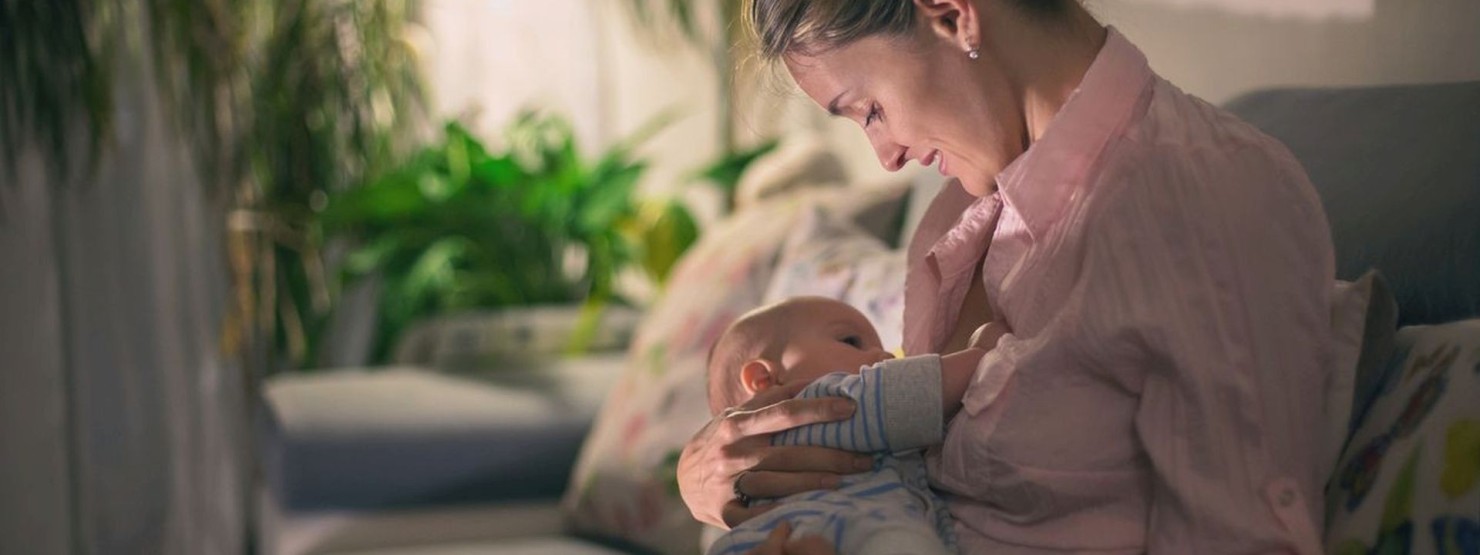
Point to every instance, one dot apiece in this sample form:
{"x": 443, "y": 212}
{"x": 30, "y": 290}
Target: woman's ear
{"x": 952, "y": 20}
{"x": 758, "y": 375}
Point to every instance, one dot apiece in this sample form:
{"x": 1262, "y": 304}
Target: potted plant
{"x": 462, "y": 227}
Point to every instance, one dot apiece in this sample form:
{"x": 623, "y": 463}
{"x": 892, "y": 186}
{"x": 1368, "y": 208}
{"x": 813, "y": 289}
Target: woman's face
{"x": 921, "y": 98}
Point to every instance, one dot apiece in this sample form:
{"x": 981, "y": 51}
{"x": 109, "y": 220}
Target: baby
{"x": 901, "y": 407}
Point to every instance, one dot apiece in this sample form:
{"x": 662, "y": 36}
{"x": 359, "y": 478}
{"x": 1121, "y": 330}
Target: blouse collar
{"x": 1047, "y": 177}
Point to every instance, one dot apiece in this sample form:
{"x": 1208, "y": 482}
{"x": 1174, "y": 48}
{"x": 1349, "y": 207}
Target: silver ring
{"x": 740, "y": 495}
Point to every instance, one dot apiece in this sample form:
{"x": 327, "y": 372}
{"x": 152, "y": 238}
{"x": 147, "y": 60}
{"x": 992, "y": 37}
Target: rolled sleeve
{"x": 1237, "y": 337}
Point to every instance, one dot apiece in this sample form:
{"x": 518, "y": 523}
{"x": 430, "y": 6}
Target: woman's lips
{"x": 932, "y": 158}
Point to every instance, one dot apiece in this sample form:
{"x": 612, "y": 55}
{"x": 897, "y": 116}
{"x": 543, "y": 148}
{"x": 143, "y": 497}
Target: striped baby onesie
{"x": 889, "y": 509}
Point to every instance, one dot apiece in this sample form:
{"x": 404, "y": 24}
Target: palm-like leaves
{"x": 280, "y": 100}
{"x": 460, "y": 227}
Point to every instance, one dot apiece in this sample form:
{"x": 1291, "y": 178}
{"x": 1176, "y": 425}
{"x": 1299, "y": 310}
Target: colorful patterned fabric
{"x": 1409, "y": 480}
{"x": 828, "y": 257}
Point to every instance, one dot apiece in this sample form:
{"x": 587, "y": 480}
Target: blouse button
{"x": 1287, "y": 497}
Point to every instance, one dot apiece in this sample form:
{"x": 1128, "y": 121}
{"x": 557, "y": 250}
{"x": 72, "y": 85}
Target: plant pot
{"x": 513, "y": 338}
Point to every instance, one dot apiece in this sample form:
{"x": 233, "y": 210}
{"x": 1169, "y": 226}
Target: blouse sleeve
{"x": 1224, "y": 263}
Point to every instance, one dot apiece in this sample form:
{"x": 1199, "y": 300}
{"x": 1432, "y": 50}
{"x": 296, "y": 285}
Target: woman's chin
{"x": 977, "y": 187}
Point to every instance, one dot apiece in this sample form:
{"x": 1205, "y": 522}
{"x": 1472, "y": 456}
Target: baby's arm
{"x": 901, "y": 403}
{"x": 898, "y": 407}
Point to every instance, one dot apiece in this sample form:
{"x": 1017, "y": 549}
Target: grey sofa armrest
{"x": 407, "y": 437}
{"x": 1398, "y": 171}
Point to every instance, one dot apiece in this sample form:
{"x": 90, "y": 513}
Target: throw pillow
{"x": 624, "y": 485}
{"x": 1363, "y": 320}
{"x": 1409, "y": 479}
{"x": 826, "y": 257}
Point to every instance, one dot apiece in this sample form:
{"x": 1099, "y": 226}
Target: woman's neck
{"x": 1046, "y": 60}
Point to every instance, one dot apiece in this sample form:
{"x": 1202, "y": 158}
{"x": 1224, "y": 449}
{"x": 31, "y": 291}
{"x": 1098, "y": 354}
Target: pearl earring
{"x": 973, "y": 54}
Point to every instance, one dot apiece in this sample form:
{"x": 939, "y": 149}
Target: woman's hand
{"x": 738, "y": 442}
{"x": 777, "y": 544}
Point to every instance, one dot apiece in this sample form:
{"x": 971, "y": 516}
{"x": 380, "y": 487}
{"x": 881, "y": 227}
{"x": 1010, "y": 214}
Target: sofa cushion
{"x": 1409, "y": 478}
{"x": 520, "y": 546}
{"x": 1398, "y": 171}
{"x": 406, "y": 437}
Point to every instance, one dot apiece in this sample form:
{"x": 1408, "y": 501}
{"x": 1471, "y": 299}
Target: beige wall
{"x": 1215, "y": 50}
{"x": 612, "y": 81}
{"x": 1218, "y": 49}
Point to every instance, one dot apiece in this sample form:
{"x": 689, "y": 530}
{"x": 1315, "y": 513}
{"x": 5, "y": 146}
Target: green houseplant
{"x": 713, "y": 29}
{"x": 461, "y": 226}
{"x": 280, "y": 102}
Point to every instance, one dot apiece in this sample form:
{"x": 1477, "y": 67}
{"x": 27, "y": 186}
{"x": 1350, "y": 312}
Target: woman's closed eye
{"x": 873, "y": 114}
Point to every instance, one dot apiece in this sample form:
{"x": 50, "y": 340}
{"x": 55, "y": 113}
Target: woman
{"x": 1164, "y": 269}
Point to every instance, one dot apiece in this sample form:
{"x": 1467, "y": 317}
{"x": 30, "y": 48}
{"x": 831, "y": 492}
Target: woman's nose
{"x": 891, "y": 155}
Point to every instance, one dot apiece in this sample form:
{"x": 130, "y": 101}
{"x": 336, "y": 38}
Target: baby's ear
{"x": 757, "y": 375}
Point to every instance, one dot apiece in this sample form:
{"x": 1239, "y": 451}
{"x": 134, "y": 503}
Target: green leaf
{"x": 726, "y": 171}
{"x": 367, "y": 260}
{"x": 1399, "y": 504}
{"x": 666, "y": 239}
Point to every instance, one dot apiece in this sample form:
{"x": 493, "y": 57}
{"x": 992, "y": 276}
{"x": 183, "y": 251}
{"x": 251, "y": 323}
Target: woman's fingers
{"x": 736, "y": 512}
{"x": 772, "y": 395}
{"x": 775, "y": 541}
{"x": 789, "y": 414}
{"x": 810, "y": 545}
{"x": 739, "y": 440}
{"x": 813, "y": 459}
{"x": 765, "y": 485}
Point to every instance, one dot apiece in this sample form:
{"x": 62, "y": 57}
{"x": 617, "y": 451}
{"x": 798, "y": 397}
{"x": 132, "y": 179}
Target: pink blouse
{"x": 1165, "y": 269}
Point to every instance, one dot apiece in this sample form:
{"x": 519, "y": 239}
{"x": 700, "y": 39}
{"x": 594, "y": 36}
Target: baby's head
{"x": 798, "y": 339}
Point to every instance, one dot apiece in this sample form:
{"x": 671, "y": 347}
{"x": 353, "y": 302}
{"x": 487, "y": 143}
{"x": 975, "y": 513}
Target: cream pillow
{"x": 1364, "y": 318}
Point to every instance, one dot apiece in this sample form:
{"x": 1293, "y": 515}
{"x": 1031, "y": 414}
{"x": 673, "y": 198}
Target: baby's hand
{"x": 985, "y": 337}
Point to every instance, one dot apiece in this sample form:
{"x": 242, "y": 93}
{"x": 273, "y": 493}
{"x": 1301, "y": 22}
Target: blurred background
{"x": 201, "y": 196}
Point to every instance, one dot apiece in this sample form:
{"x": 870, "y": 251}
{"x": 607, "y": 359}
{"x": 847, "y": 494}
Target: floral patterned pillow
{"x": 827, "y": 257}
{"x": 624, "y": 486}
{"x": 1409, "y": 479}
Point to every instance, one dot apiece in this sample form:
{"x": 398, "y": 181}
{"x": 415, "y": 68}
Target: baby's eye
{"x": 853, "y": 340}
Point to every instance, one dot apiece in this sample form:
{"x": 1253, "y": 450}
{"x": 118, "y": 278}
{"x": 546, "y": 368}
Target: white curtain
{"x": 122, "y": 425}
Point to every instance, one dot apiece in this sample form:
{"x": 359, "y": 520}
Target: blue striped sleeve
{"x": 899, "y": 408}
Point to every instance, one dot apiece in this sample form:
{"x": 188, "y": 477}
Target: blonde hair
{"x": 806, "y": 27}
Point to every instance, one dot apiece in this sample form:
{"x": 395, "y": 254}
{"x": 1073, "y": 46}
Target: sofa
{"x": 578, "y": 455}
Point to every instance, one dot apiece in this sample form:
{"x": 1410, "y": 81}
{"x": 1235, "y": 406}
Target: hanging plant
{"x": 281, "y": 102}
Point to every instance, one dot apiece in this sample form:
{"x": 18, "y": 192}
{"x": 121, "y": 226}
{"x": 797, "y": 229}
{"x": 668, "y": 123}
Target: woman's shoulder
{"x": 1188, "y": 155}
{"x": 1188, "y": 169}
{"x": 1176, "y": 120}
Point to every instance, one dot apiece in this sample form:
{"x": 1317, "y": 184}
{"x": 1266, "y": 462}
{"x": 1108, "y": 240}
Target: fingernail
{"x": 829, "y": 482}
